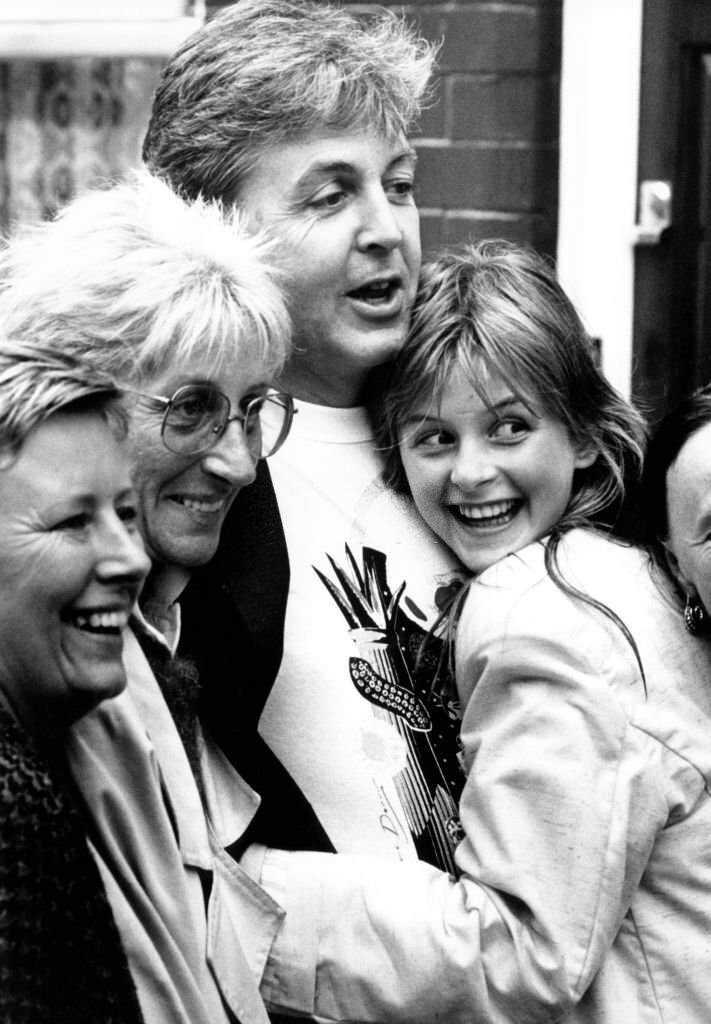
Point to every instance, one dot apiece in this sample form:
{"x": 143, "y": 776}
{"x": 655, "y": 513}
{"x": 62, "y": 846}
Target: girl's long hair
{"x": 496, "y": 308}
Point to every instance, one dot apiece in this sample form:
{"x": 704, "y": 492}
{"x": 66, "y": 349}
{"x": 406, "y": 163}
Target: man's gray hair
{"x": 263, "y": 72}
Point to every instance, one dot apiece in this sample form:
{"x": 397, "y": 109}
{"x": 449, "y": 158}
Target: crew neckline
{"x": 327, "y": 423}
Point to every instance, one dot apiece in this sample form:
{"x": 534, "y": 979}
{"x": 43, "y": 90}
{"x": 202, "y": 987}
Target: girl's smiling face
{"x": 488, "y": 477}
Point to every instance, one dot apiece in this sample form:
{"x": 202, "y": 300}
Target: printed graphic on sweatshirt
{"x": 410, "y": 690}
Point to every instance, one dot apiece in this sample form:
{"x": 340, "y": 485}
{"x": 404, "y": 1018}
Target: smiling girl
{"x": 583, "y": 885}
{"x": 586, "y": 708}
{"x": 495, "y": 418}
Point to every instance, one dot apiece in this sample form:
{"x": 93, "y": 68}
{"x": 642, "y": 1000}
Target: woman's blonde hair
{"x": 37, "y": 382}
{"x": 133, "y": 279}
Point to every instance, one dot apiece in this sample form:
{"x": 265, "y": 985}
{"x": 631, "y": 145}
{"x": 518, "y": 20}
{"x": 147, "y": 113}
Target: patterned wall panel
{"x": 67, "y": 124}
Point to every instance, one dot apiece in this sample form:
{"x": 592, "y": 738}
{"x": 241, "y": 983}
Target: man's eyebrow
{"x": 323, "y": 168}
{"x": 408, "y": 154}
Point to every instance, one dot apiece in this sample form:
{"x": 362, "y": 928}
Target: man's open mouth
{"x": 377, "y": 292}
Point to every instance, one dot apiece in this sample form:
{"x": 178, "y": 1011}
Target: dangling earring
{"x": 695, "y": 618}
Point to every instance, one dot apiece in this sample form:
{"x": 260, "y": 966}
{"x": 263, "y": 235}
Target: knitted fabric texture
{"x": 61, "y": 959}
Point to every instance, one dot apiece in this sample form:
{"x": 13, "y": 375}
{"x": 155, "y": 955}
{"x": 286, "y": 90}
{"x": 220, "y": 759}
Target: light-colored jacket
{"x": 585, "y": 893}
{"x": 195, "y": 928}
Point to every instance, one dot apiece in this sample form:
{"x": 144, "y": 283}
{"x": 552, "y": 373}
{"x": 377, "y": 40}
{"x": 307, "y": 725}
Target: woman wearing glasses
{"x": 195, "y": 446}
{"x": 173, "y": 302}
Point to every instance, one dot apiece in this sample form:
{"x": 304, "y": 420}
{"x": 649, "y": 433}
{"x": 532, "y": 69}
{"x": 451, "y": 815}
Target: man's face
{"x": 342, "y": 205}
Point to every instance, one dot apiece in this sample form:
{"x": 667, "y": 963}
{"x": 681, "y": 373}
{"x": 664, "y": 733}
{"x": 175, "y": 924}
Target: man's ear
{"x": 585, "y": 454}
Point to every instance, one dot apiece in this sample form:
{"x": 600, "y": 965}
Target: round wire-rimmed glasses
{"x": 197, "y": 415}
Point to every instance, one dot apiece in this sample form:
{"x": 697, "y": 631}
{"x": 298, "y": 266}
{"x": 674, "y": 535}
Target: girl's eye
{"x": 510, "y": 430}
{"x": 434, "y": 438}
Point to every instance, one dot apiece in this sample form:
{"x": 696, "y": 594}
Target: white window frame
{"x": 36, "y": 29}
{"x": 599, "y": 130}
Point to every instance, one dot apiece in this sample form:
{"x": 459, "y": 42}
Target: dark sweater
{"x": 61, "y": 958}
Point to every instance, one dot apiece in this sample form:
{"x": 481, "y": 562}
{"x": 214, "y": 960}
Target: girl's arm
{"x": 563, "y": 803}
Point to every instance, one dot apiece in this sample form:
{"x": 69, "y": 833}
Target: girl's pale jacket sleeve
{"x": 563, "y": 802}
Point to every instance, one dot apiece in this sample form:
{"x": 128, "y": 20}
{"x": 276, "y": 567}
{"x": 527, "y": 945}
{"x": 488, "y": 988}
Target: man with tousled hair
{"x": 308, "y": 623}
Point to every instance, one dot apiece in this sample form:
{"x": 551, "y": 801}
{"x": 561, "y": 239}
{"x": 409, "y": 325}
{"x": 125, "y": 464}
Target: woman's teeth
{"x": 200, "y": 506}
{"x": 100, "y": 622}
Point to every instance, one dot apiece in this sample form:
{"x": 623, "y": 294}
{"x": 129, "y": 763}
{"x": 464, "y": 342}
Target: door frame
{"x": 599, "y": 129}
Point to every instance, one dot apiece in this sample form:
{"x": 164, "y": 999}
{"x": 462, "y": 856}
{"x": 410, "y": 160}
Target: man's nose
{"x": 379, "y": 224}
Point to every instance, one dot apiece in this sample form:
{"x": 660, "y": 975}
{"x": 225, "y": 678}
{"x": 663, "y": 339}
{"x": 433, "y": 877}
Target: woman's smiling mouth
{"x": 200, "y": 506}
{"x": 106, "y": 621}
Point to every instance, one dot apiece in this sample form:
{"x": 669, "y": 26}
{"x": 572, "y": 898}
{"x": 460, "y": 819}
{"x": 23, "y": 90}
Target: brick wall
{"x": 489, "y": 145}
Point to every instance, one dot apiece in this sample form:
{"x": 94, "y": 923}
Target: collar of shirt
{"x": 230, "y": 802}
{"x": 169, "y": 634}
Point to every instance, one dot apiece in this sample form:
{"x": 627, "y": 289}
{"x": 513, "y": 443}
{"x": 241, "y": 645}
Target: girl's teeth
{"x": 490, "y": 511}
